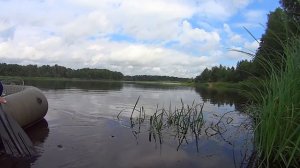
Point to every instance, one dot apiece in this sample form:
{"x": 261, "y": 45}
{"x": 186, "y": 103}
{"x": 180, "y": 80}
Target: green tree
{"x": 292, "y": 8}
{"x": 243, "y": 70}
{"x": 204, "y": 76}
{"x": 57, "y": 71}
{"x": 270, "y": 50}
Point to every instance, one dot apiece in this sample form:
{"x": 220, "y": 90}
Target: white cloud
{"x": 141, "y": 59}
{"x": 255, "y": 16}
{"x": 220, "y": 9}
{"x": 165, "y": 38}
{"x": 125, "y": 57}
{"x": 238, "y": 43}
{"x": 236, "y": 55}
{"x": 88, "y": 25}
{"x": 147, "y": 20}
{"x": 233, "y": 37}
{"x": 248, "y": 47}
{"x": 197, "y": 40}
{"x": 4, "y": 50}
{"x": 252, "y": 19}
{"x": 251, "y": 46}
{"x": 190, "y": 34}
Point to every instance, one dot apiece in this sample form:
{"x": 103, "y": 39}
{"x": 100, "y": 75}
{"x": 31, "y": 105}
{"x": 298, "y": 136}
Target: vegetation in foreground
{"x": 272, "y": 78}
{"x": 283, "y": 23}
{"x": 277, "y": 117}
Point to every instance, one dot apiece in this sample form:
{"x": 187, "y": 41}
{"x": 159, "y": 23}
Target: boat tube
{"x": 24, "y": 107}
{"x": 26, "y": 104}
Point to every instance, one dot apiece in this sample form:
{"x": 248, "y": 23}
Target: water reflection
{"x": 155, "y": 86}
{"x": 38, "y": 135}
{"x": 85, "y": 85}
{"x": 222, "y": 97}
{"x": 188, "y": 127}
{"x": 86, "y": 133}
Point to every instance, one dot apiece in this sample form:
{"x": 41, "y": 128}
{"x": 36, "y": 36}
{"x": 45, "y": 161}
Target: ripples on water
{"x": 81, "y": 128}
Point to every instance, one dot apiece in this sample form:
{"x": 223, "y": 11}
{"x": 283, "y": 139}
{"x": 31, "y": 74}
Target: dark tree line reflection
{"x": 223, "y": 97}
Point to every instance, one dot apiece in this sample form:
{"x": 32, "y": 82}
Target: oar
{"x": 1, "y": 88}
{"x": 14, "y": 139}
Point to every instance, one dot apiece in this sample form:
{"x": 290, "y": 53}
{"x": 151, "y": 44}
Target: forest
{"x": 57, "y": 72}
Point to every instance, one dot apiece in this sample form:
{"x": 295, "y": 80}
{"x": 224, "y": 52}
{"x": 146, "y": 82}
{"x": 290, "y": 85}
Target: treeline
{"x": 57, "y": 71}
{"x": 84, "y": 73}
{"x": 283, "y": 26}
{"x": 155, "y": 78}
{"x": 226, "y": 74}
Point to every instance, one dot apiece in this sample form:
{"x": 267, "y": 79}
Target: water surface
{"x": 81, "y": 128}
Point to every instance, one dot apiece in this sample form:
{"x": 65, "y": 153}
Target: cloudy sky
{"x": 153, "y": 37}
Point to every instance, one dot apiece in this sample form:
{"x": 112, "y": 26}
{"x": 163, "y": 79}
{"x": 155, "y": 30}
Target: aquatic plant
{"x": 186, "y": 123}
{"x": 188, "y": 119}
{"x": 183, "y": 120}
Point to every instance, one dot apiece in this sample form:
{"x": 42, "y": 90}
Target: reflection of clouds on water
{"x": 96, "y": 104}
{"x": 106, "y": 144}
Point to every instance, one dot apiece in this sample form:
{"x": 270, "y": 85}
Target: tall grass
{"x": 277, "y": 119}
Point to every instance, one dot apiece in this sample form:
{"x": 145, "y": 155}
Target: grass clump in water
{"x": 185, "y": 121}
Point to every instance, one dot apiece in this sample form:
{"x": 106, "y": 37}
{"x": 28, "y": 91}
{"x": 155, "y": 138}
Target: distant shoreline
{"x": 207, "y": 85}
{"x": 90, "y": 80}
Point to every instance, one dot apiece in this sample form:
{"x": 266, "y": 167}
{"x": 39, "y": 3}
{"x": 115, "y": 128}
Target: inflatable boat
{"x": 25, "y": 106}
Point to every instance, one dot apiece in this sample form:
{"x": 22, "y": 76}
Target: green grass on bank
{"x": 276, "y": 110}
{"x": 21, "y": 79}
{"x": 277, "y": 116}
{"x": 211, "y": 85}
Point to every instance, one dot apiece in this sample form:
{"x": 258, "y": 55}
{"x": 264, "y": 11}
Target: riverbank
{"x": 208, "y": 85}
{"x": 19, "y": 80}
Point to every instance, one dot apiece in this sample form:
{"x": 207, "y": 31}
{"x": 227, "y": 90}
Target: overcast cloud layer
{"x": 153, "y": 37}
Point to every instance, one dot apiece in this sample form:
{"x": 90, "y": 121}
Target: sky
{"x": 136, "y": 37}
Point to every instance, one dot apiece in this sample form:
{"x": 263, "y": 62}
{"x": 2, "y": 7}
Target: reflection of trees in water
{"x": 99, "y": 85}
{"x": 89, "y": 85}
{"x": 38, "y": 133}
{"x": 222, "y": 97}
{"x": 155, "y": 86}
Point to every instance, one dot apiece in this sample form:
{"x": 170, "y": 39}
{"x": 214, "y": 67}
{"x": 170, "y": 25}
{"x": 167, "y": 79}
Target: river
{"x": 88, "y": 125}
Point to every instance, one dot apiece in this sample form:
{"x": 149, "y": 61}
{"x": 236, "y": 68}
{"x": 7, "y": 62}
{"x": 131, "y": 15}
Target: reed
{"x": 184, "y": 121}
{"x": 277, "y": 116}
